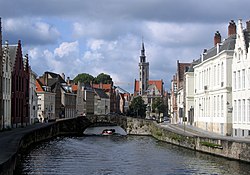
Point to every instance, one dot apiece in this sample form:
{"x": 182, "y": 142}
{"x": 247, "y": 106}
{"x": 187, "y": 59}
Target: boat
{"x": 108, "y": 131}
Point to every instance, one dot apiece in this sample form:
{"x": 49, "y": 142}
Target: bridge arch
{"x": 103, "y": 120}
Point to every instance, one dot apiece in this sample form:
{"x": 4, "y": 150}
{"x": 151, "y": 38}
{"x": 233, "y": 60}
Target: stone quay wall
{"x": 226, "y": 147}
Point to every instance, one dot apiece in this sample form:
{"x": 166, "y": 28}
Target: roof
{"x": 247, "y": 37}
{"x": 227, "y": 44}
{"x": 74, "y": 87}
{"x": 39, "y": 86}
{"x": 100, "y": 93}
{"x": 102, "y": 86}
{"x": 158, "y": 83}
{"x": 181, "y": 69}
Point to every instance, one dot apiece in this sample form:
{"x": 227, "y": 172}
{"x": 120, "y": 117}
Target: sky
{"x": 105, "y": 36}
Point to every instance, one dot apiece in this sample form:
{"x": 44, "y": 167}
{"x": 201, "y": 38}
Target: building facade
{"x": 20, "y": 87}
{"x": 7, "y": 70}
{"x": 213, "y": 85}
{"x": 46, "y": 103}
{"x": 33, "y": 99}
{"x": 241, "y": 82}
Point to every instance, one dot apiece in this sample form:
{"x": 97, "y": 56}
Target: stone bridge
{"x": 79, "y": 124}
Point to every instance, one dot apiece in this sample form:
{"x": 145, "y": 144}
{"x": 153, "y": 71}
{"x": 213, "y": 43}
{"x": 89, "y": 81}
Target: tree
{"x": 159, "y": 106}
{"x": 103, "y": 78}
{"x": 83, "y": 78}
{"x": 137, "y": 107}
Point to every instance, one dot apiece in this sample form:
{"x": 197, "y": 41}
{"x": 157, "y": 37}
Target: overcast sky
{"x": 95, "y": 36}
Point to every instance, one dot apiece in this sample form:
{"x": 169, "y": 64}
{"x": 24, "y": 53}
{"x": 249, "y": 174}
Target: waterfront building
{"x": 213, "y": 85}
{"x": 241, "y": 82}
{"x": 46, "y": 102}
{"x": 68, "y": 101}
{"x": 188, "y": 88}
{"x": 109, "y": 89}
{"x": 54, "y": 82}
{"x": 7, "y": 72}
{"x": 177, "y": 99}
{"x": 80, "y": 101}
{"x": 101, "y": 102}
{"x": 149, "y": 90}
{"x": 33, "y": 99}
{"x": 20, "y": 86}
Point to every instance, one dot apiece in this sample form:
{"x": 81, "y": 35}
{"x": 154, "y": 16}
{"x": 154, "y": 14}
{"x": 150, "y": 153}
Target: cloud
{"x": 66, "y": 48}
{"x": 31, "y": 31}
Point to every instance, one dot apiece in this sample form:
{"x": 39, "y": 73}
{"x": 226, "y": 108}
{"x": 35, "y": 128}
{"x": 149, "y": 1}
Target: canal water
{"x": 121, "y": 155}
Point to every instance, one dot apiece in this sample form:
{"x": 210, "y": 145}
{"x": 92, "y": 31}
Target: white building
{"x": 213, "y": 85}
{"x": 241, "y": 82}
{"x": 33, "y": 99}
{"x": 189, "y": 95}
{"x": 46, "y": 102}
{"x": 7, "y": 69}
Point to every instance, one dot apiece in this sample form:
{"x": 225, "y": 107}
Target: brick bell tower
{"x": 143, "y": 72}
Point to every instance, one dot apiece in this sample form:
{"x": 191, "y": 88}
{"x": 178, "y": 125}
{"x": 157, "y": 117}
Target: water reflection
{"x": 98, "y": 130}
{"x": 122, "y": 155}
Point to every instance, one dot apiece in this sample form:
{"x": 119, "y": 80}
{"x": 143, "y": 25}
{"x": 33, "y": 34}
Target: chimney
{"x": 248, "y": 25}
{"x": 231, "y": 28}
{"x": 68, "y": 80}
{"x": 217, "y": 38}
{"x": 63, "y": 76}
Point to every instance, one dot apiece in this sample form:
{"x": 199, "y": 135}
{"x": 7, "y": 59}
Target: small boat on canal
{"x": 106, "y": 132}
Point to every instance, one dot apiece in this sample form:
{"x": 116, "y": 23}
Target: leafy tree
{"x": 83, "y": 78}
{"x": 137, "y": 107}
{"x": 103, "y": 78}
{"x": 159, "y": 106}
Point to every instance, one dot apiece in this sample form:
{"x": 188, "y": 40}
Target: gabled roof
{"x": 39, "y": 86}
{"x": 101, "y": 93}
{"x": 227, "y": 44}
{"x": 102, "y": 86}
{"x": 157, "y": 83}
{"x": 74, "y": 87}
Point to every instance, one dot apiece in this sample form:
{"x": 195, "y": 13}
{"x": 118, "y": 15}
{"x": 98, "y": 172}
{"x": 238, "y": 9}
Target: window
{"x": 218, "y": 74}
{"x": 243, "y": 110}
{"x": 249, "y": 132}
{"x": 218, "y": 104}
{"x": 222, "y": 106}
{"x": 235, "y": 132}
{"x": 239, "y": 82}
{"x": 248, "y": 78}
{"x": 235, "y": 111}
{"x": 222, "y": 72}
{"x": 243, "y": 78}
{"x": 248, "y": 110}
{"x": 234, "y": 80}
{"x": 243, "y": 133}
{"x": 239, "y": 110}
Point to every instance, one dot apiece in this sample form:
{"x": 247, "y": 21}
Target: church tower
{"x": 143, "y": 72}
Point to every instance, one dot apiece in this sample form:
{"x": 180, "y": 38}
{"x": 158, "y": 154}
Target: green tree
{"x": 158, "y": 105}
{"x": 137, "y": 107}
{"x": 103, "y": 78}
{"x": 83, "y": 78}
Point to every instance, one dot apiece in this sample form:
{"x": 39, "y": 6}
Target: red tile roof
{"x": 158, "y": 83}
{"x": 74, "y": 87}
{"x": 39, "y": 86}
{"x": 105, "y": 87}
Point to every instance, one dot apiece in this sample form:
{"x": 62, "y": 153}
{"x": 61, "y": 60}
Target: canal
{"x": 121, "y": 155}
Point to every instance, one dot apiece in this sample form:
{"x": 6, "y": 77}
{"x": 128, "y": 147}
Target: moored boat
{"x": 108, "y": 131}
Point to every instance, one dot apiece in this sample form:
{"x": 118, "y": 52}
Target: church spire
{"x": 142, "y": 57}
